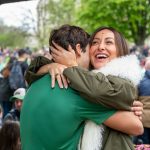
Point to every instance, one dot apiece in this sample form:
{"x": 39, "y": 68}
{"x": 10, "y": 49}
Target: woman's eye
{"x": 94, "y": 42}
{"x": 109, "y": 42}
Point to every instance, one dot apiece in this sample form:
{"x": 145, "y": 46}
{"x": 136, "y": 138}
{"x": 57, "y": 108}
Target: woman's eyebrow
{"x": 108, "y": 38}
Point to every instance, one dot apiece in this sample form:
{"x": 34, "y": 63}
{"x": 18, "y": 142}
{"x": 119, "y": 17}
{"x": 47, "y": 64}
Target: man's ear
{"x": 78, "y": 50}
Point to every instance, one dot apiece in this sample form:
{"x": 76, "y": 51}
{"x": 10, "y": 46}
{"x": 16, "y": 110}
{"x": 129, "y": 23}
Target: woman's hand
{"x": 137, "y": 108}
{"x": 62, "y": 56}
{"x": 56, "y": 72}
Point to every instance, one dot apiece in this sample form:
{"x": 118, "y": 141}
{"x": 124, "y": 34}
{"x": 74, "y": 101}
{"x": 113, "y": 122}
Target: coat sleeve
{"x": 30, "y": 75}
{"x": 119, "y": 140}
{"x": 110, "y": 91}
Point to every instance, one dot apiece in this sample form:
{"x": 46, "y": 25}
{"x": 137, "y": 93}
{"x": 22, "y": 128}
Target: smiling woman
{"x": 106, "y": 44}
{"x": 103, "y": 48}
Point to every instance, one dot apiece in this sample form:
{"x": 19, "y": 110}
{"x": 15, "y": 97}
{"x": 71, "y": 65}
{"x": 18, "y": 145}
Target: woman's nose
{"x": 101, "y": 46}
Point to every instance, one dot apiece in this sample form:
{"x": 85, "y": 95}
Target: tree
{"x": 12, "y": 37}
{"x": 51, "y": 14}
{"x": 132, "y": 18}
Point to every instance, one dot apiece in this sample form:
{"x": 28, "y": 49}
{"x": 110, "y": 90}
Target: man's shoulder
{"x": 45, "y": 79}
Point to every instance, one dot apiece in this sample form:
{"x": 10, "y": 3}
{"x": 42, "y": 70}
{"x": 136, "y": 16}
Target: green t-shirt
{"x": 53, "y": 119}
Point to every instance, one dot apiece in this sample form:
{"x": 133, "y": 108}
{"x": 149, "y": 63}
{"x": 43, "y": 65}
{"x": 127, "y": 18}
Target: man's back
{"x": 53, "y": 119}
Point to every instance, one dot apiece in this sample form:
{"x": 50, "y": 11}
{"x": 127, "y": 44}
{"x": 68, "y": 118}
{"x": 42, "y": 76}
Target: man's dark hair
{"x": 21, "y": 52}
{"x": 69, "y": 35}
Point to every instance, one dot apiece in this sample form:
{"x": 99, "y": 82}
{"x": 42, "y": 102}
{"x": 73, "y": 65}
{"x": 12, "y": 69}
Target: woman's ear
{"x": 78, "y": 50}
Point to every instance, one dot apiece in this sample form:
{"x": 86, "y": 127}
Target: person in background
{"x": 17, "y": 99}
{"x": 10, "y": 136}
{"x": 5, "y": 90}
{"x": 1, "y": 115}
{"x": 144, "y": 97}
{"x": 18, "y": 68}
{"x": 22, "y": 59}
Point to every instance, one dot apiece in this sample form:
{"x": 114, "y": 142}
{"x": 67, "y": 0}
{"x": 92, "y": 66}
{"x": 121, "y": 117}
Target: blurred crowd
{"x": 13, "y": 65}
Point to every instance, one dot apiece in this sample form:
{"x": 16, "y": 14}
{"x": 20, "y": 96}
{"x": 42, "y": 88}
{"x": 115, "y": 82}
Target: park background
{"x": 131, "y": 17}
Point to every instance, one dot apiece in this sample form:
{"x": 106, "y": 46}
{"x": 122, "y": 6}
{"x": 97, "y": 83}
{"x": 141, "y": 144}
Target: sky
{"x": 12, "y": 13}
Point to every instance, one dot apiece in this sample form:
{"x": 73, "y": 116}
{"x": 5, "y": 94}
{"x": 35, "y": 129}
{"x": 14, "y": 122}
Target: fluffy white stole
{"x": 125, "y": 67}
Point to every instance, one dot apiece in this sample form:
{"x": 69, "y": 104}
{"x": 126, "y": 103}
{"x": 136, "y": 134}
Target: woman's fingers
{"x": 140, "y": 118}
{"x": 138, "y": 113}
{"x": 54, "y": 56}
{"x": 56, "y": 72}
{"x": 64, "y": 80}
{"x": 52, "y": 78}
{"x": 60, "y": 83}
{"x": 55, "y": 51}
{"x": 137, "y": 103}
{"x": 137, "y": 108}
{"x": 71, "y": 50}
{"x": 59, "y": 48}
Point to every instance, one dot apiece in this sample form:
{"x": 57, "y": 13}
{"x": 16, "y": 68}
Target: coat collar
{"x": 127, "y": 67}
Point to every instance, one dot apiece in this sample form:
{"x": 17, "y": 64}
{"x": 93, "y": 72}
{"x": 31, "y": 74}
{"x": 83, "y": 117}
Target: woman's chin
{"x": 99, "y": 65}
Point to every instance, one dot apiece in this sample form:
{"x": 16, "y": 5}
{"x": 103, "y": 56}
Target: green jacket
{"x": 116, "y": 89}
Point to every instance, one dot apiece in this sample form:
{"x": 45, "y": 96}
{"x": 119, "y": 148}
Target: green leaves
{"x": 12, "y": 37}
{"x": 131, "y": 17}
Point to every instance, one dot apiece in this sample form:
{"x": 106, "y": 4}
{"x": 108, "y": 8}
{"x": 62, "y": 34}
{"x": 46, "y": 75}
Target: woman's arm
{"x": 125, "y": 122}
{"x": 36, "y": 70}
{"x": 107, "y": 90}
{"x": 110, "y": 91}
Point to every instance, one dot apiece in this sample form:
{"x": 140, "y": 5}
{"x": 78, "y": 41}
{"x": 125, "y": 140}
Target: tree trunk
{"x": 141, "y": 36}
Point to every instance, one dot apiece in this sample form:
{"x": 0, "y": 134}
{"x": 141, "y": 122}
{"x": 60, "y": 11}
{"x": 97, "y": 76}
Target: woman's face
{"x": 103, "y": 48}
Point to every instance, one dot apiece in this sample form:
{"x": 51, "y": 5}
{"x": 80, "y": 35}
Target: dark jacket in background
{"x": 5, "y": 91}
{"x": 14, "y": 115}
{"x": 144, "y": 97}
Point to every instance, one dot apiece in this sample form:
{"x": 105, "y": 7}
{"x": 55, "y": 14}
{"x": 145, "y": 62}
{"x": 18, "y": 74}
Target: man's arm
{"x": 125, "y": 122}
{"x": 106, "y": 90}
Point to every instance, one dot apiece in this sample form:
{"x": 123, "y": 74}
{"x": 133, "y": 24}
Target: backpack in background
{"x": 16, "y": 77}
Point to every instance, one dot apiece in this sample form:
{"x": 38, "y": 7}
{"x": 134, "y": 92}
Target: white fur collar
{"x": 92, "y": 137}
{"x": 125, "y": 67}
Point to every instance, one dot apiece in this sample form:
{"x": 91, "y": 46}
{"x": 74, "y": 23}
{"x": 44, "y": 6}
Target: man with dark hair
{"x": 71, "y": 35}
{"x": 18, "y": 69}
{"x": 22, "y": 59}
{"x": 65, "y": 35}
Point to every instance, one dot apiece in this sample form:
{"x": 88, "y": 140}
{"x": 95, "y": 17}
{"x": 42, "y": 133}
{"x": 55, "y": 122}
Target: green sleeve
{"x": 30, "y": 75}
{"x": 110, "y": 91}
